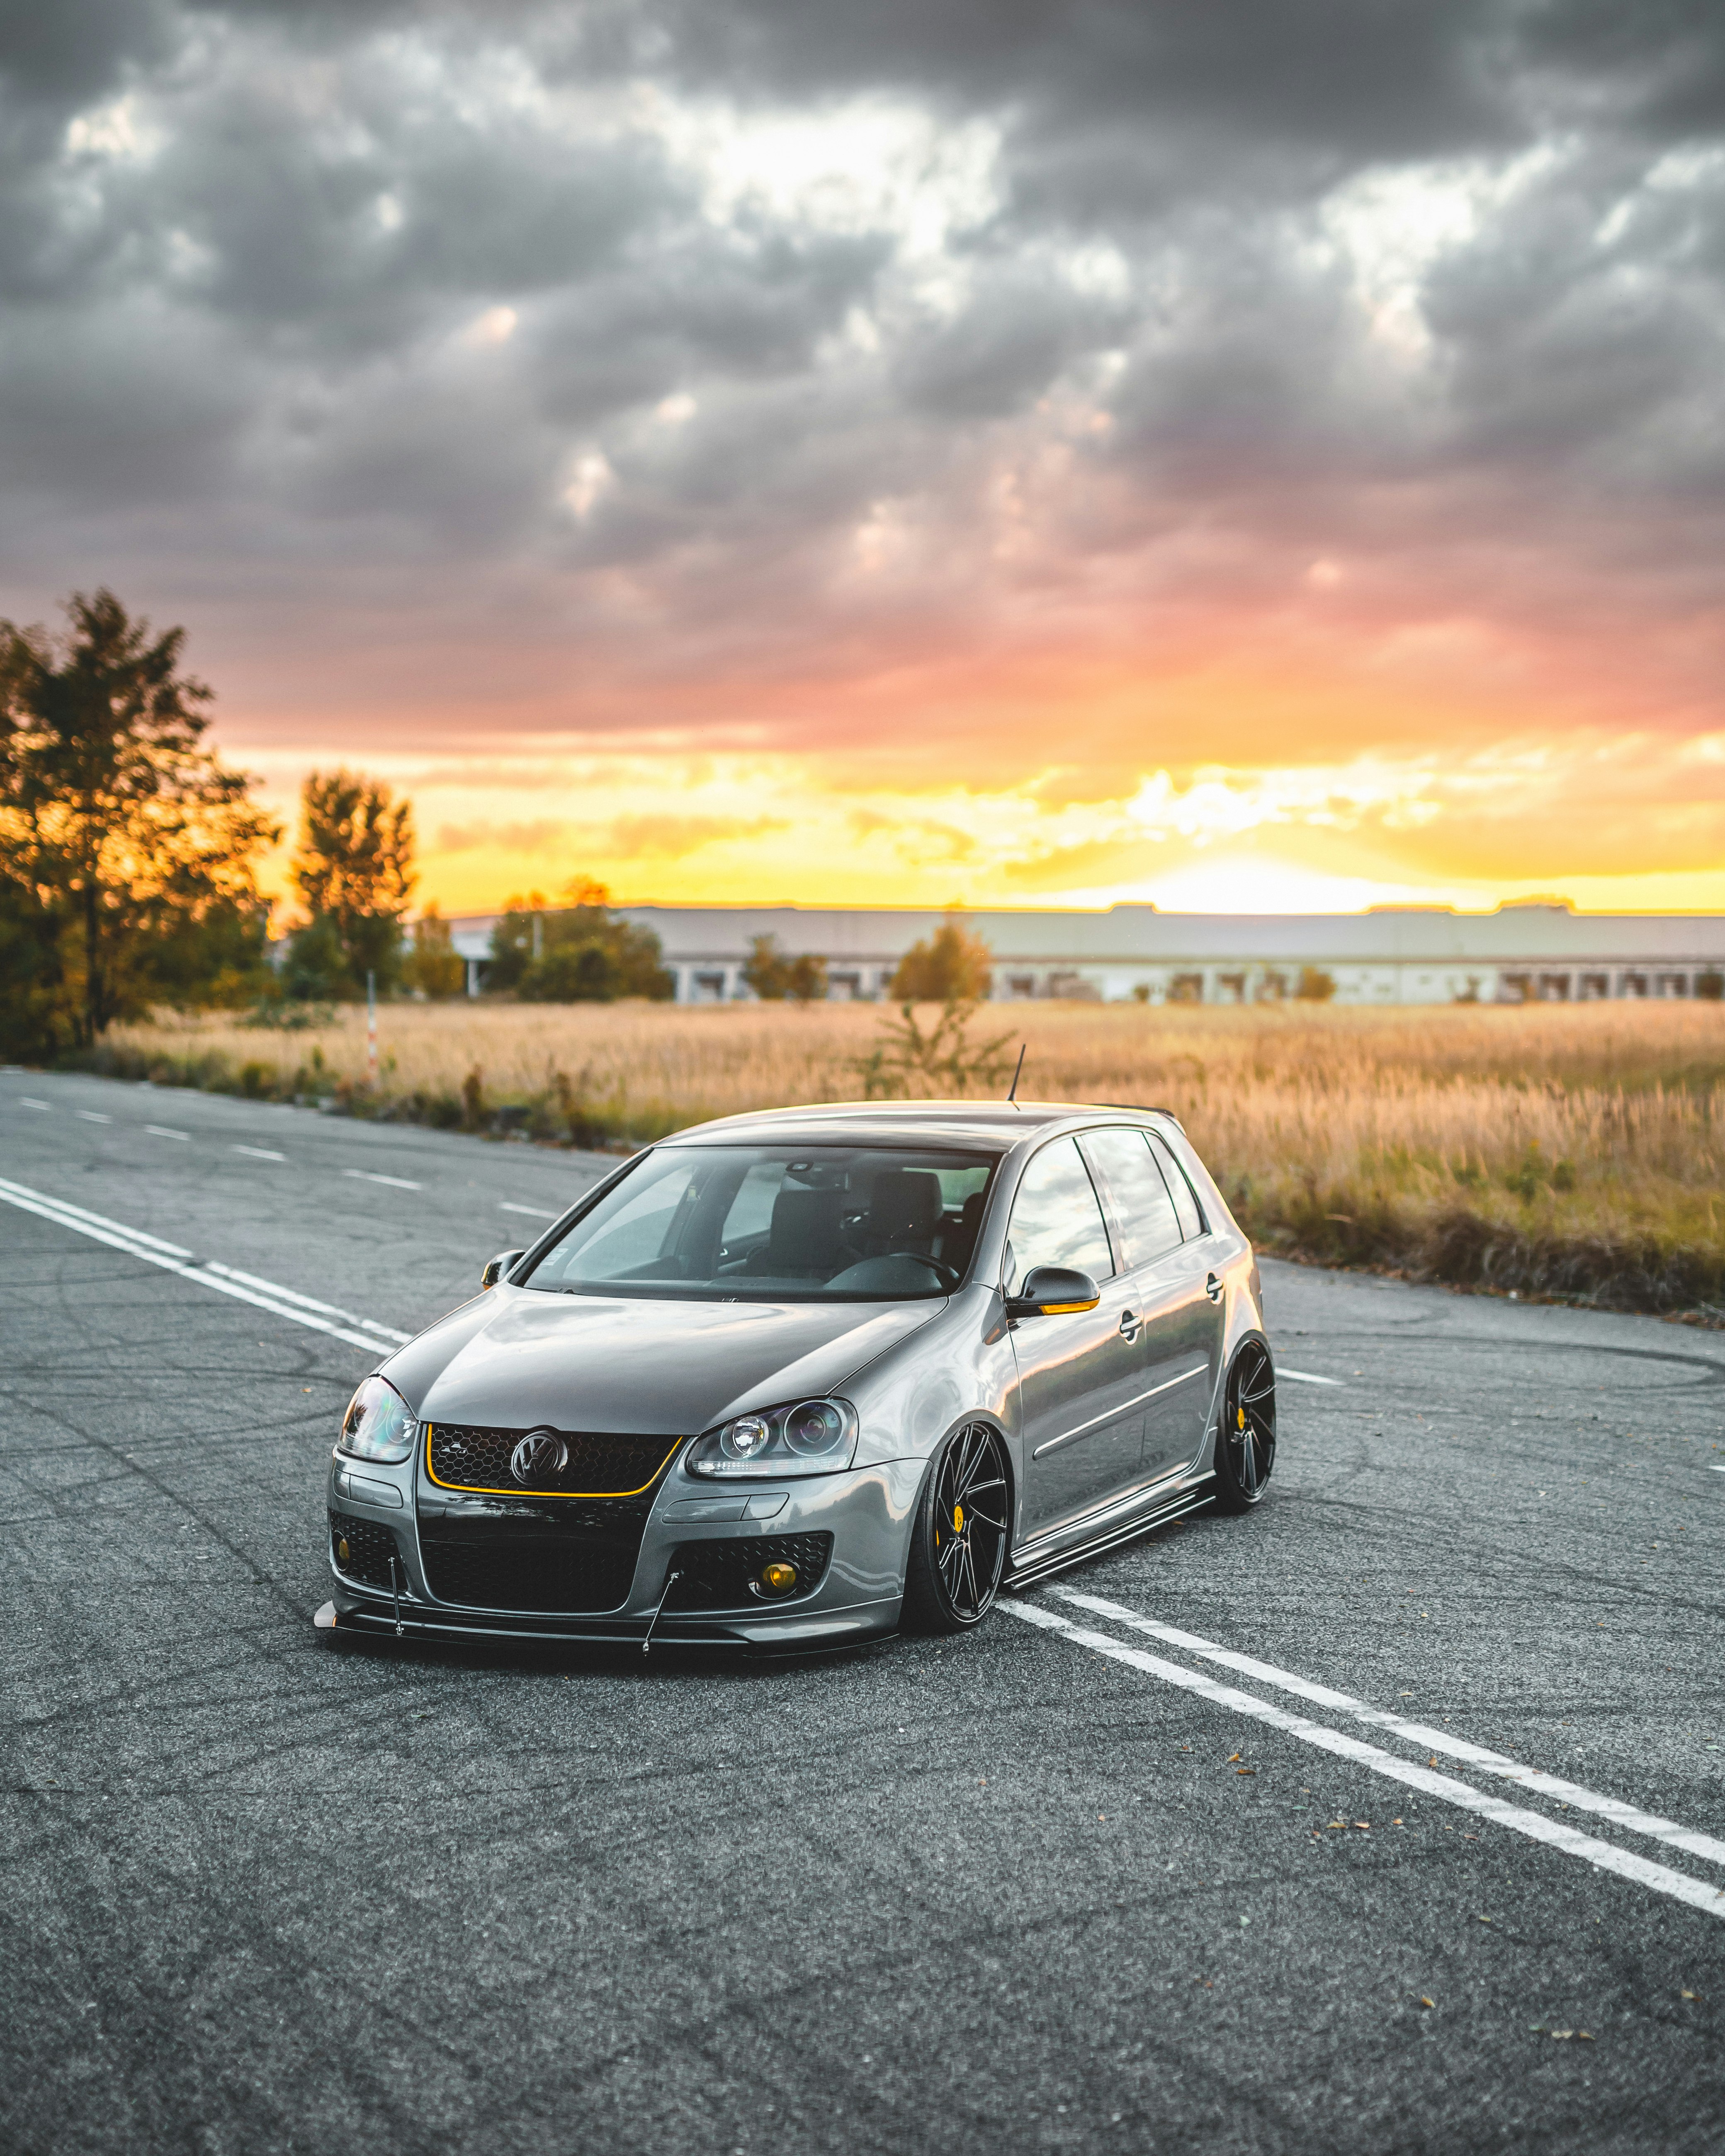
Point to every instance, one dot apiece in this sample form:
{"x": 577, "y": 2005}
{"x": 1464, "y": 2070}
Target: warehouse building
{"x": 1521, "y": 953}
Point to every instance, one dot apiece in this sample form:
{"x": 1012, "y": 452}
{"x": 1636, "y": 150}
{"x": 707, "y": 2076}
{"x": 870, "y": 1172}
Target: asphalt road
{"x": 1067, "y": 1884}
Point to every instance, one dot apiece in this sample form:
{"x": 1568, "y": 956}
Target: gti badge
{"x": 541, "y": 1453}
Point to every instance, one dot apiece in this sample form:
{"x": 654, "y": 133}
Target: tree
{"x": 127, "y": 849}
{"x": 1316, "y": 986}
{"x": 773, "y": 976}
{"x": 433, "y": 965}
{"x": 953, "y": 967}
{"x": 577, "y": 953}
{"x": 353, "y": 868}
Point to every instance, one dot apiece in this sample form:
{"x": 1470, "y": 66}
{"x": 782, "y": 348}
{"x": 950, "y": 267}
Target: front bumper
{"x": 867, "y": 1512}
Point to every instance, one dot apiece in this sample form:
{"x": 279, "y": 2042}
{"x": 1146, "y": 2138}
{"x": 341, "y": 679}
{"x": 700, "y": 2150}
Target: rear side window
{"x": 1056, "y": 1219}
{"x": 1145, "y": 1211}
{"x": 1180, "y": 1190}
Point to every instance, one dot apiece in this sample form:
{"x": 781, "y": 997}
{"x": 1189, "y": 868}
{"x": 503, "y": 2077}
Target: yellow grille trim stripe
{"x": 483, "y": 1489}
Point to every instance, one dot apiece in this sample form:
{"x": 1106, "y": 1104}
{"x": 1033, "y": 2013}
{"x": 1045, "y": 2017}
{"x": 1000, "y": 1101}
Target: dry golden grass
{"x": 1565, "y": 1150}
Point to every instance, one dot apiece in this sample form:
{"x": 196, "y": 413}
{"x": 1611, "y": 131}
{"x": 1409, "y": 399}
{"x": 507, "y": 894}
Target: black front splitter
{"x": 415, "y": 1622}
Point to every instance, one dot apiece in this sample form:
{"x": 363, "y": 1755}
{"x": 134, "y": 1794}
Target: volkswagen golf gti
{"x": 805, "y": 1377}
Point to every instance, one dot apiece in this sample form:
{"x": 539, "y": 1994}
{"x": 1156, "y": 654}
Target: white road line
{"x": 306, "y": 1301}
{"x": 1421, "y": 1734}
{"x": 365, "y": 1175}
{"x": 1698, "y": 1893}
{"x": 283, "y": 1303}
{"x": 1717, "y": 1466}
{"x": 533, "y": 1212}
{"x": 89, "y": 1115}
{"x": 161, "y": 1131}
{"x": 259, "y": 1153}
{"x": 39, "y": 1198}
{"x": 23, "y": 1101}
{"x": 1305, "y": 1377}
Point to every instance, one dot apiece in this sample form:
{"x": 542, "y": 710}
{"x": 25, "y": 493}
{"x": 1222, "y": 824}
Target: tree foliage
{"x": 127, "y": 849}
{"x": 353, "y": 870}
{"x": 579, "y": 952}
{"x": 953, "y": 966}
{"x": 774, "y": 975}
{"x": 432, "y": 966}
{"x": 1315, "y": 985}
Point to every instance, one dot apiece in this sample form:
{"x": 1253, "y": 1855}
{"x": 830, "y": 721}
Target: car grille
{"x": 717, "y": 1574}
{"x": 553, "y": 1575}
{"x": 474, "y": 1456}
{"x": 369, "y": 1549}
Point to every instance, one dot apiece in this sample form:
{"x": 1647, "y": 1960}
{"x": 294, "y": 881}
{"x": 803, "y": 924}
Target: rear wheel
{"x": 959, "y": 1535}
{"x": 1246, "y": 1441}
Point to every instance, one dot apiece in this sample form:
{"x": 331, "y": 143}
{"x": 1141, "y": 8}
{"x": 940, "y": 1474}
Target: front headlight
{"x": 813, "y": 1437}
{"x": 379, "y": 1425}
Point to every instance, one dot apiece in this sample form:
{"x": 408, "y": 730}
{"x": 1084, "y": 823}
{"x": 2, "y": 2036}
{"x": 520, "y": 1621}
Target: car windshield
{"x": 778, "y": 1223}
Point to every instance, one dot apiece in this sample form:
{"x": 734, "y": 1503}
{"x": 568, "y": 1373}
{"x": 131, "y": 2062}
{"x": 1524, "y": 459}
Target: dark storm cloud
{"x": 399, "y": 312}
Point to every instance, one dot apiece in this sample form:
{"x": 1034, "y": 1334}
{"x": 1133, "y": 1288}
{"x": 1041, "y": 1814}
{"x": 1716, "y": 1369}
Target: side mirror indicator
{"x": 1053, "y": 1291}
{"x": 497, "y": 1268}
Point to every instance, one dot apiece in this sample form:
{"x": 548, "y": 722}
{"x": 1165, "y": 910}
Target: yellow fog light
{"x": 777, "y": 1578}
{"x": 343, "y": 1554}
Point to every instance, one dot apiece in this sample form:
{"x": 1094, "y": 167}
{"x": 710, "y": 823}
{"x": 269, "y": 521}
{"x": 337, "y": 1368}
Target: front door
{"x": 1079, "y": 1376}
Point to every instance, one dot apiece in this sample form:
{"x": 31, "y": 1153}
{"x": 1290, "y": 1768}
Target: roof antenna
{"x": 1013, "y": 1094}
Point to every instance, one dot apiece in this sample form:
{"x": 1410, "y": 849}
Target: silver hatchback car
{"x": 805, "y": 1377}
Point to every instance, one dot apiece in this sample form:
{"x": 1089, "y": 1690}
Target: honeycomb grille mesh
{"x": 717, "y": 1574}
{"x": 368, "y": 1547}
{"x": 474, "y": 1456}
{"x": 548, "y": 1573}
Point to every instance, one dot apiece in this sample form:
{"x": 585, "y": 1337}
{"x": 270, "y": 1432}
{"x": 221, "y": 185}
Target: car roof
{"x": 1002, "y": 1122}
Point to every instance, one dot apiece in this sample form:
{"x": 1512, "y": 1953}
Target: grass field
{"x": 1553, "y": 1150}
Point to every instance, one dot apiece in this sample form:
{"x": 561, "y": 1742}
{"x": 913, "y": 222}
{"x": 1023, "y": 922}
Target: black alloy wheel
{"x": 1246, "y": 1442}
{"x": 959, "y": 1536}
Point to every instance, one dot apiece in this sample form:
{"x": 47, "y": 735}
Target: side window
{"x": 636, "y": 1235}
{"x": 1056, "y": 1219}
{"x": 751, "y": 1212}
{"x": 1145, "y": 1212}
{"x": 1180, "y": 1190}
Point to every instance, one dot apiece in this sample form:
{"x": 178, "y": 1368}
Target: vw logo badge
{"x": 541, "y": 1453}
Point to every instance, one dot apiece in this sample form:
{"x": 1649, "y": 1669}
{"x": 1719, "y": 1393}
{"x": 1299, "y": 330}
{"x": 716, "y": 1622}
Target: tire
{"x": 1246, "y": 1429}
{"x": 958, "y": 1534}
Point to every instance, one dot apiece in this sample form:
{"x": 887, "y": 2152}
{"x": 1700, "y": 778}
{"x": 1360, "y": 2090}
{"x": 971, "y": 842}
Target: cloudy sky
{"x": 1233, "y": 453}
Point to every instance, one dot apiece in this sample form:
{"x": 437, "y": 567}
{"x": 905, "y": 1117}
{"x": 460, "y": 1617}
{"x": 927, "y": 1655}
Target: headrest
{"x": 804, "y": 1234}
{"x": 905, "y": 1205}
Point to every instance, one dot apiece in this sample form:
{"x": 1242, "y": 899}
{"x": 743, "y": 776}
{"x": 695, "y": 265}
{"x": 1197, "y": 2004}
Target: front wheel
{"x": 1246, "y": 1440}
{"x": 959, "y": 1535}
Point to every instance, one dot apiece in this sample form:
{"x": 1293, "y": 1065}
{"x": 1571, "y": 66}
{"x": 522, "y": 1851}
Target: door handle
{"x": 1130, "y": 1322}
{"x": 1213, "y": 1288}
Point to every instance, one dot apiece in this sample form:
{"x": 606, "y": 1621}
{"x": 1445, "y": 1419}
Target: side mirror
{"x": 1053, "y": 1291}
{"x": 496, "y": 1268}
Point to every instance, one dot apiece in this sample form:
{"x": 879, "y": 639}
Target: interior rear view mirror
{"x": 1052, "y": 1291}
{"x": 496, "y": 1267}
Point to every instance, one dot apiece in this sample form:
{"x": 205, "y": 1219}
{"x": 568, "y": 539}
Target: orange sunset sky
{"x": 1234, "y": 460}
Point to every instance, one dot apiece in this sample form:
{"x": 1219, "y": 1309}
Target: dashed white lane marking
{"x": 89, "y": 1115}
{"x": 533, "y": 1212}
{"x": 161, "y": 1131}
{"x": 1717, "y": 1466}
{"x": 259, "y": 1153}
{"x": 1698, "y": 1893}
{"x": 1428, "y": 1739}
{"x": 23, "y": 1101}
{"x": 365, "y": 1175}
{"x": 1305, "y": 1377}
{"x": 264, "y": 1295}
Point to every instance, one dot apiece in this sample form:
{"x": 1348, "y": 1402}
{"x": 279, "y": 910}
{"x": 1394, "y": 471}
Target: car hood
{"x": 517, "y": 1357}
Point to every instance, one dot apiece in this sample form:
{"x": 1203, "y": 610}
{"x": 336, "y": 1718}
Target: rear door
{"x": 1180, "y": 1418}
{"x": 1179, "y": 1328}
{"x": 1080, "y": 1375}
